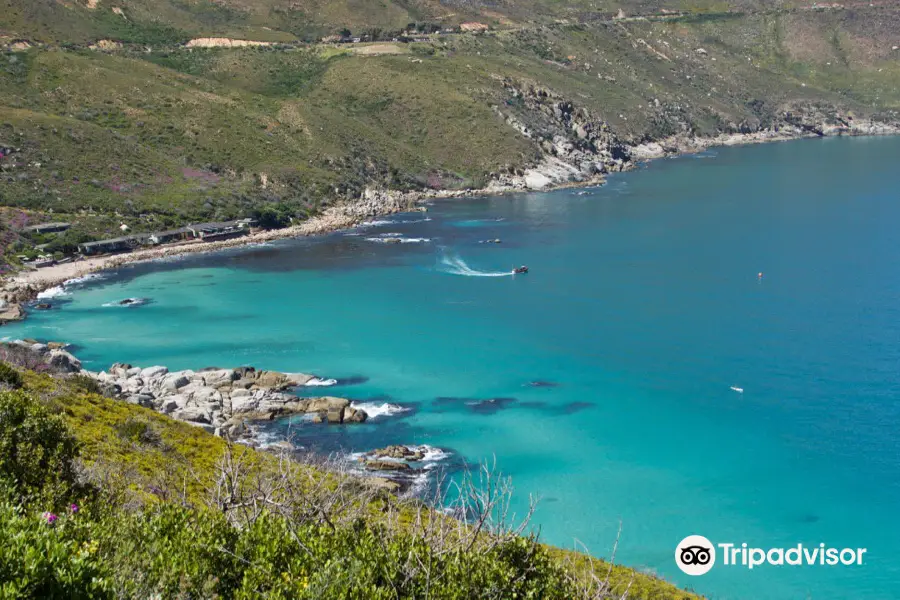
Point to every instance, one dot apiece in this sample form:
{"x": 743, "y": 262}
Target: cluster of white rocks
{"x": 222, "y": 401}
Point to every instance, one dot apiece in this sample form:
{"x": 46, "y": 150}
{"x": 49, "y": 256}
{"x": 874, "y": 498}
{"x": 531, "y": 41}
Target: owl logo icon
{"x": 695, "y": 555}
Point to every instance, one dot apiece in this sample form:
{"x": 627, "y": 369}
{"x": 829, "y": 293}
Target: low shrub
{"x": 9, "y": 377}
{"x": 139, "y": 431}
{"x": 85, "y": 383}
{"x": 37, "y": 450}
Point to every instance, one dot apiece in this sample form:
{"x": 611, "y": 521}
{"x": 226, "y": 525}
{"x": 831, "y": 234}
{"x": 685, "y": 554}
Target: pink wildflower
{"x": 49, "y": 517}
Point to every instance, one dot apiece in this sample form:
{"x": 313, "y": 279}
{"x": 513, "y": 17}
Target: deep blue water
{"x": 642, "y": 308}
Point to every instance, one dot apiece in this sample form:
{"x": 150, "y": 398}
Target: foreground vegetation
{"x": 99, "y": 498}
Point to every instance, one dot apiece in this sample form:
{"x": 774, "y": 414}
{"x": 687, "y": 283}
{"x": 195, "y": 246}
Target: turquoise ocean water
{"x": 642, "y": 309}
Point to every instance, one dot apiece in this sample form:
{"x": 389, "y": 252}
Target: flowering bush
{"x": 39, "y": 561}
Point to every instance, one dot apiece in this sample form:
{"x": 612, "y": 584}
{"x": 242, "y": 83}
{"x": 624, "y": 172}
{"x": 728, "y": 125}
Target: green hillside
{"x": 142, "y": 129}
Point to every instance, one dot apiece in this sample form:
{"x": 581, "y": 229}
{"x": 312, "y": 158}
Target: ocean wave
{"x": 84, "y": 279}
{"x": 432, "y": 454}
{"x": 397, "y": 240}
{"x": 375, "y": 410}
{"x": 457, "y": 266}
{"x": 376, "y": 223}
{"x": 54, "y": 292}
{"x": 319, "y": 382}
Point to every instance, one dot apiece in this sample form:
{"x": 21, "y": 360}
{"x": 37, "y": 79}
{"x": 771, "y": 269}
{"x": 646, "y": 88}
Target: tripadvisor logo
{"x": 696, "y": 555}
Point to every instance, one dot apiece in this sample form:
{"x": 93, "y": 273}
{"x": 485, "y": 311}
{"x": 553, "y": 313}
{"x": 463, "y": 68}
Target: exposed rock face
{"x": 31, "y": 354}
{"x": 223, "y": 43}
{"x": 219, "y": 400}
{"x": 63, "y": 361}
{"x": 576, "y": 146}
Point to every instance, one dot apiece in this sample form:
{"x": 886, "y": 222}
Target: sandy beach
{"x": 26, "y": 285}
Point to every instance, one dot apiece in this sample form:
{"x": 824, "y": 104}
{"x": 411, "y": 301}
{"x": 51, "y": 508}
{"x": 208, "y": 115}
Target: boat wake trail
{"x": 457, "y": 266}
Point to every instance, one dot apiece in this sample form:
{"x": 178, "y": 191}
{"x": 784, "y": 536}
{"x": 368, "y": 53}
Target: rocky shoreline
{"x": 224, "y": 402}
{"x": 231, "y": 403}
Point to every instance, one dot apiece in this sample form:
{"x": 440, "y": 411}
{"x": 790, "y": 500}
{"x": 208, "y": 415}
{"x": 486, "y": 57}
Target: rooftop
{"x": 48, "y": 226}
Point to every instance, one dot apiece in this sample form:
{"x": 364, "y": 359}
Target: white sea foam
{"x": 84, "y": 279}
{"x": 54, "y": 292}
{"x": 127, "y": 302}
{"x": 396, "y": 239}
{"x": 432, "y": 454}
{"x": 375, "y": 410}
{"x": 319, "y": 382}
{"x": 62, "y": 289}
{"x": 375, "y": 223}
{"x": 418, "y": 486}
{"x": 457, "y": 266}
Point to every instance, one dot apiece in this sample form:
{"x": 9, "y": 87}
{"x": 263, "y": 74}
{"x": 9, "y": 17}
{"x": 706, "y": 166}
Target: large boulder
{"x": 277, "y": 404}
{"x": 171, "y": 404}
{"x": 120, "y": 370}
{"x": 175, "y": 381}
{"x": 245, "y": 372}
{"x": 63, "y": 361}
{"x": 219, "y": 377}
{"x": 153, "y": 372}
{"x": 192, "y": 413}
{"x": 131, "y": 385}
{"x": 271, "y": 380}
{"x": 327, "y": 403}
{"x": 244, "y": 404}
{"x": 399, "y": 452}
{"x": 355, "y": 415}
{"x": 297, "y": 379}
{"x": 200, "y": 393}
